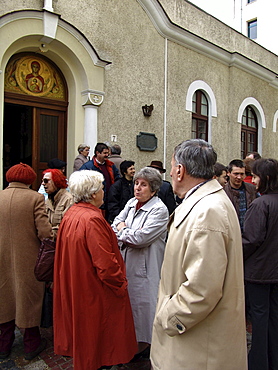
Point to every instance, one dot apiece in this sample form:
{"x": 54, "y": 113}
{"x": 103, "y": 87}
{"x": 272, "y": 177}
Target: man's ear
{"x": 180, "y": 172}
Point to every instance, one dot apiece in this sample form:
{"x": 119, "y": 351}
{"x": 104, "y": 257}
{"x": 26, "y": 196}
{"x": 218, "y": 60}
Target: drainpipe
{"x": 48, "y": 5}
{"x": 165, "y": 104}
{"x": 241, "y": 15}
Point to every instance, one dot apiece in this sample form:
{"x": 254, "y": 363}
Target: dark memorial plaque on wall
{"x": 146, "y": 141}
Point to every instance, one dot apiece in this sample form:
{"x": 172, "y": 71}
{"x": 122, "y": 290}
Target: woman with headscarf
{"x": 57, "y": 203}
{"x": 23, "y": 224}
{"x": 92, "y": 313}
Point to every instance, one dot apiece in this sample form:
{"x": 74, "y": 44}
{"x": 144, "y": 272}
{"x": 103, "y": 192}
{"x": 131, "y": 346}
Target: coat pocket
{"x": 136, "y": 264}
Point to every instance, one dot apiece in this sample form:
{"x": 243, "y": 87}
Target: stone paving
{"x": 49, "y": 360}
{"x": 46, "y": 360}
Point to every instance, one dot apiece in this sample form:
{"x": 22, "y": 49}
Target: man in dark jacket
{"x": 166, "y": 191}
{"x": 122, "y": 190}
{"x": 100, "y": 163}
{"x": 240, "y": 193}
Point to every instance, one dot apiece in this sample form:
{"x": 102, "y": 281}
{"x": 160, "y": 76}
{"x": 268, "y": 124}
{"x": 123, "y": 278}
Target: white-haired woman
{"x": 92, "y": 313}
{"x": 83, "y": 152}
{"x": 141, "y": 232}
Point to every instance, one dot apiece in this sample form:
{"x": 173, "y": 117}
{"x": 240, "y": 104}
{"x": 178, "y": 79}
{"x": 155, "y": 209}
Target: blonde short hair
{"x": 84, "y": 183}
{"x": 82, "y": 147}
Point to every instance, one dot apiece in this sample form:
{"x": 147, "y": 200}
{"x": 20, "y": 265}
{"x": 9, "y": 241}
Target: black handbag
{"x": 45, "y": 261}
{"x": 47, "y": 307}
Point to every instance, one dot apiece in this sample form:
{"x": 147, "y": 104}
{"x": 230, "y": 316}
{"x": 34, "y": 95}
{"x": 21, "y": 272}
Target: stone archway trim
{"x": 260, "y": 116}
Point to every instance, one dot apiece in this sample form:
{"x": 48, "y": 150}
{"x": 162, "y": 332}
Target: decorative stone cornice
{"x": 92, "y": 97}
{"x": 51, "y": 18}
{"x": 173, "y": 32}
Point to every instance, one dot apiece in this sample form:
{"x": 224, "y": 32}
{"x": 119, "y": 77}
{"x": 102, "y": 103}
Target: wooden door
{"x": 35, "y": 113}
{"x": 49, "y": 138}
{"x": 35, "y": 133}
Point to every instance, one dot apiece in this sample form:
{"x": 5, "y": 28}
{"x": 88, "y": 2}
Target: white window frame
{"x": 206, "y": 89}
{"x": 260, "y": 117}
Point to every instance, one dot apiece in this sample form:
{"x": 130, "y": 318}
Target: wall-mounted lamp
{"x": 147, "y": 110}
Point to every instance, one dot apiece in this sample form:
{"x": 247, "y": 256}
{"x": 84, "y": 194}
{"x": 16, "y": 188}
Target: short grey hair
{"x": 81, "y": 147}
{"x": 151, "y": 175}
{"x": 116, "y": 149}
{"x": 84, "y": 183}
{"x": 198, "y": 157}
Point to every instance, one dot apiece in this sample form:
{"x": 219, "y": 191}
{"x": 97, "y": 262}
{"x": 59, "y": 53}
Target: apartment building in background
{"x": 256, "y": 19}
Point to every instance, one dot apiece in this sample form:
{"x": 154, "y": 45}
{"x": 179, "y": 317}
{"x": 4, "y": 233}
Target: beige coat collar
{"x": 186, "y": 206}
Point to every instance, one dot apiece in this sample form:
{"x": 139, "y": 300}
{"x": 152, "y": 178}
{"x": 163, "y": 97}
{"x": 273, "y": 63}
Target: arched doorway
{"x": 35, "y": 113}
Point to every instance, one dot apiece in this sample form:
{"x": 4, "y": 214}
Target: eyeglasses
{"x": 45, "y": 181}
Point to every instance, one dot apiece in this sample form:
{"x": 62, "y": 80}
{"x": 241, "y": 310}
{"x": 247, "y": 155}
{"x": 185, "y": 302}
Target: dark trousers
{"x": 31, "y": 338}
{"x": 263, "y": 311}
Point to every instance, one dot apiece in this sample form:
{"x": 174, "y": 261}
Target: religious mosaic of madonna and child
{"x": 34, "y": 76}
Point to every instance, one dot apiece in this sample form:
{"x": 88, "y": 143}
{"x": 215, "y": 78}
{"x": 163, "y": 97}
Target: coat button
{"x": 179, "y": 327}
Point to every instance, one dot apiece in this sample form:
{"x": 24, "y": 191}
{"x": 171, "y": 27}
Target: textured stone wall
{"x": 122, "y": 34}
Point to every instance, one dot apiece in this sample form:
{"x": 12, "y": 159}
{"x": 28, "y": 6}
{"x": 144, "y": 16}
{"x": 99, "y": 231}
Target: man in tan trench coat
{"x": 199, "y": 322}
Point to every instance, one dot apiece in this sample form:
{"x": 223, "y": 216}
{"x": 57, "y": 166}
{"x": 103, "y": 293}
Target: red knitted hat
{"x": 21, "y": 173}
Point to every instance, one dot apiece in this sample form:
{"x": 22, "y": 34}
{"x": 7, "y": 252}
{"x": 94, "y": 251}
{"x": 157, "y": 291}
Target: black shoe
{"x": 4, "y": 355}
{"x": 29, "y": 356}
{"x": 145, "y": 354}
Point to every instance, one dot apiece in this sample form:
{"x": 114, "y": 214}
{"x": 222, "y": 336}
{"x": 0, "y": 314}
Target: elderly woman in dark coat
{"x": 23, "y": 224}
{"x": 260, "y": 251}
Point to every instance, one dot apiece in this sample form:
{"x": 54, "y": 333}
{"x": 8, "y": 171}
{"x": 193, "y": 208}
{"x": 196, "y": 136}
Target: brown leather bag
{"x": 45, "y": 261}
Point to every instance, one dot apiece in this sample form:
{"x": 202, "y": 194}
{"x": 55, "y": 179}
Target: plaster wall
{"x": 191, "y": 18}
{"x": 122, "y": 34}
{"x": 15, "y": 5}
{"x": 144, "y": 68}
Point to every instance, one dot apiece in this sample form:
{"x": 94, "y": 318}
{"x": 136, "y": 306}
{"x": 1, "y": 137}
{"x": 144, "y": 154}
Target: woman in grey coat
{"x": 141, "y": 232}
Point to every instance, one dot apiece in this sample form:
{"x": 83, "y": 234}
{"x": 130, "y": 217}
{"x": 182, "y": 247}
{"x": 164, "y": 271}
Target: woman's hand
{"x": 121, "y": 225}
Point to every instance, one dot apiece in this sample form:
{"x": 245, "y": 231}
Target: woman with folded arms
{"x": 141, "y": 232}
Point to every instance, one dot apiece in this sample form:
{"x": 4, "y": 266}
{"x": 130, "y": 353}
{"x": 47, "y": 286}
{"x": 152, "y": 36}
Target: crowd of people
{"x": 143, "y": 267}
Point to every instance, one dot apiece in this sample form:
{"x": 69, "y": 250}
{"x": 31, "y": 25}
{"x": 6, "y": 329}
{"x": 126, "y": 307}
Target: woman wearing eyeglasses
{"x": 59, "y": 199}
{"x": 57, "y": 203}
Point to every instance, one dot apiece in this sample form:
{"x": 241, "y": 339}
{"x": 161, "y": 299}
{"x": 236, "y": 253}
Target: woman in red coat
{"x": 92, "y": 313}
